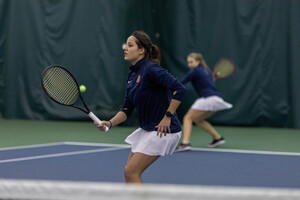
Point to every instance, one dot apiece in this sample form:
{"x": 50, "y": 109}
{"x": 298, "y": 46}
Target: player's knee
{"x": 125, "y": 171}
{"x": 130, "y": 173}
{"x": 198, "y": 120}
{"x": 187, "y": 118}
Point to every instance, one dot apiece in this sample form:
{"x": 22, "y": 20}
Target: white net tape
{"x": 64, "y": 190}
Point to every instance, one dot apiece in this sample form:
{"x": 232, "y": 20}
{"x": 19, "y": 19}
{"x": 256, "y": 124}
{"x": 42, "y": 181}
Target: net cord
{"x": 58, "y": 190}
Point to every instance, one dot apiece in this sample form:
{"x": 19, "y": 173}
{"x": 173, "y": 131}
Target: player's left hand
{"x": 164, "y": 127}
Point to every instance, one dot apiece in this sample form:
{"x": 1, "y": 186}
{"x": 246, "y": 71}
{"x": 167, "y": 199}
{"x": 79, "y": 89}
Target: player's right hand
{"x": 103, "y": 125}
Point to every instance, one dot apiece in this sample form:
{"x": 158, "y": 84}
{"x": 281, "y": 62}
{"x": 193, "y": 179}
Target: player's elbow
{"x": 179, "y": 93}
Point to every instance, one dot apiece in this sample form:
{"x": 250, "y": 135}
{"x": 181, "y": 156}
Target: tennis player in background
{"x": 204, "y": 107}
{"x": 156, "y": 95}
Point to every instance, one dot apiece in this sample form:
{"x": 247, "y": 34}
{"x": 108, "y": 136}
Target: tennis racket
{"x": 61, "y": 86}
{"x": 223, "y": 68}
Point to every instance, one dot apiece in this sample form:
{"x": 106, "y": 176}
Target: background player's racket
{"x": 61, "y": 86}
{"x": 223, "y": 68}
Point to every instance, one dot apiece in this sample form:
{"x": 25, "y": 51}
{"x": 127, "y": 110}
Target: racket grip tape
{"x": 96, "y": 120}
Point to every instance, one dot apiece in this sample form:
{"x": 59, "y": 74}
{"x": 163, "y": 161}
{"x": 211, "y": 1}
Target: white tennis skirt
{"x": 150, "y": 144}
{"x": 212, "y": 103}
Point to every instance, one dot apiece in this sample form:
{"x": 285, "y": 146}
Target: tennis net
{"x": 66, "y": 190}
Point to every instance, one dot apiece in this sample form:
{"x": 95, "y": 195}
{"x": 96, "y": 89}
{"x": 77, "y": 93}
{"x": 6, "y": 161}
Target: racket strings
{"x": 61, "y": 91}
{"x": 66, "y": 93}
{"x": 54, "y": 86}
{"x": 61, "y": 86}
{"x": 66, "y": 86}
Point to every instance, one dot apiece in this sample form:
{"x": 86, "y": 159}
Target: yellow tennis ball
{"x": 82, "y": 88}
{"x": 218, "y": 73}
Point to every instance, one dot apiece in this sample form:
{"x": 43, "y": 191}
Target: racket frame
{"x": 79, "y": 93}
{"x": 215, "y": 76}
{"x": 87, "y": 111}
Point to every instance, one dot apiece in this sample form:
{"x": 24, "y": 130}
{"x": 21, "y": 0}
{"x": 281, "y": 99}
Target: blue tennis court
{"x": 105, "y": 163}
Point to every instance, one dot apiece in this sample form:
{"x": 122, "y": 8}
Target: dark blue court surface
{"x": 103, "y": 163}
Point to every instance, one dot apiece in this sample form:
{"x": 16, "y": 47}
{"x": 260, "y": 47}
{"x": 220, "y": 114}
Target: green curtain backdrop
{"x": 86, "y": 36}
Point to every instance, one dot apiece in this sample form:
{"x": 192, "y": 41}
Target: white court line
{"x": 64, "y": 143}
{"x": 128, "y": 146}
{"x": 195, "y": 149}
{"x": 97, "y": 144}
{"x": 247, "y": 151}
{"x": 60, "y": 154}
{"x": 32, "y": 146}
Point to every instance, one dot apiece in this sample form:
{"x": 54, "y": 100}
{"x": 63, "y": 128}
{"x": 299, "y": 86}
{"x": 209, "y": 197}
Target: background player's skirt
{"x": 147, "y": 142}
{"x": 212, "y": 103}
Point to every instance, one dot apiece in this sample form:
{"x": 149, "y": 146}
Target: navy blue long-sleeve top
{"x": 202, "y": 81}
{"x": 149, "y": 88}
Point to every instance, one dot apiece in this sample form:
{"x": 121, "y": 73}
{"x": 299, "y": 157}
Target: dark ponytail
{"x": 152, "y": 52}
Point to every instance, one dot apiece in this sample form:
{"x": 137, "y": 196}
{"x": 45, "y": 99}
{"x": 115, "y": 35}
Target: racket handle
{"x": 96, "y": 119}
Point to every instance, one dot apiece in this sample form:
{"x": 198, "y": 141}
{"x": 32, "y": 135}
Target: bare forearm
{"x": 164, "y": 125}
{"x": 173, "y": 105}
{"x": 118, "y": 118}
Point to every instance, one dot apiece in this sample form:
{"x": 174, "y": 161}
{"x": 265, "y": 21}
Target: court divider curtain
{"x": 261, "y": 37}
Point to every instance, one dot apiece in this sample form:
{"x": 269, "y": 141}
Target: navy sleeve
{"x": 127, "y": 106}
{"x": 188, "y": 77}
{"x": 161, "y": 76}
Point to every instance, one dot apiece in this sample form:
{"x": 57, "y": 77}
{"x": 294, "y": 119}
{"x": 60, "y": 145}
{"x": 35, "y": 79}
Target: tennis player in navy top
{"x": 156, "y": 95}
{"x": 205, "y": 106}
